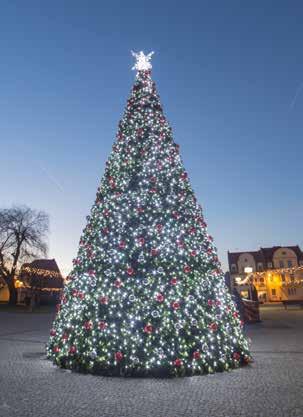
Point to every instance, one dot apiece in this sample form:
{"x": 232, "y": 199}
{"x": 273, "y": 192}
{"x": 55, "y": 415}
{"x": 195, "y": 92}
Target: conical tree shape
{"x": 146, "y": 295}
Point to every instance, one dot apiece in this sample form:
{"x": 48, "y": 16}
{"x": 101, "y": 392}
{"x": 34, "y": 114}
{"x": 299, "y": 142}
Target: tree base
{"x": 97, "y": 368}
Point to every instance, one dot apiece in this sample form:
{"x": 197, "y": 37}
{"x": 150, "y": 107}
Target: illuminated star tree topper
{"x": 142, "y": 61}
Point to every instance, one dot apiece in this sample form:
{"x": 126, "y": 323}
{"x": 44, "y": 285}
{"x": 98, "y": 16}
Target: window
{"x": 283, "y": 253}
{"x": 233, "y": 268}
{"x": 281, "y": 264}
{"x": 269, "y": 264}
{"x": 283, "y": 277}
{"x": 273, "y": 291}
{"x": 260, "y": 266}
{"x": 289, "y": 263}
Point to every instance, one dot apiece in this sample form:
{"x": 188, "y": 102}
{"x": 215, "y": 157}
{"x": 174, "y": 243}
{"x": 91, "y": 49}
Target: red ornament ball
{"x": 122, "y": 244}
{"x": 178, "y": 362}
{"x": 118, "y": 283}
{"x": 236, "y": 356}
{"x": 119, "y": 356}
{"x": 88, "y": 325}
{"x": 187, "y": 269}
{"x": 56, "y": 349}
{"x": 196, "y": 355}
{"x": 102, "y": 325}
{"x": 160, "y": 298}
{"x": 213, "y": 327}
{"x": 72, "y": 349}
{"x": 148, "y": 329}
{"x": 141, "y": 241}
{"x": 130, "y": 271}
{"x": 103, "y": 300}
{"x": 183, "y": 176}
{"x": 174, "y": 281}
{"x": 52, "y": 332}
{"x": 193, "y": 253}
{"x": 65, "y": 336}
{"x": 175, "y": 305}
{"x": 154, "y": 252}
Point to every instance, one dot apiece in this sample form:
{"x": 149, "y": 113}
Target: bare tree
{"x": 23, "y": 233}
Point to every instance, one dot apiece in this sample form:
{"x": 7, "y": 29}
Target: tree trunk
{"x": 12, "y": 291}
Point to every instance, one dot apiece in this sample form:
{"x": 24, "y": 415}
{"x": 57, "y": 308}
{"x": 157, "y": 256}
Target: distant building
{"x": 276, "y": 272}
{"x": 41, "y": 279}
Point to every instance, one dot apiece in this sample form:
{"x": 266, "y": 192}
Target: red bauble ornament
{"x": 196, "y": 355}
{"x": 153, "y": 179}
{"x": 178, "y": 362}
{"x": 236, "y": 356}
{"x": 72, "y": 349}
{"x": 105, "y": 230}
{"x": 187, "y": 269}
{"x": 56, "y": 349}
{"x": 130, "y": 271}
{"x": 175, "y": 305}
{"x": 140, "y": 209}
{"x": 183, "y": 176}
{"x": 119, "y": 356}
{"x": 218, "y": 303}
{"x": 235, "y": 314}
{"x": 88, "y": 325}
{"x": 193, "y": 253}
{"x": 174, "y": 281}
{"x": 175, "y": 214}
{"x": 91, "y": 273}
{"x": 192, "y": 230}
{"x": 213, "y": 327}
{"x": 148, "y": 329}
{"x": 80, "y": 295}
{"x": 122, "y": 244}
{"x": 210, "y": 302}
{"x": 160, "y": 298}
{"x": 102, "y": 325}
{"x": 141, "y": 241}
{"x": 180, "y": 244}
{"x": 106, "y": 213}
{"x": 118, "y": 283}
{"x": 52, "y": 332}
{"x": 154, "y": 252}
{"x": 159, "y": 227}
{"x": 65, "y": 336}
{"x": 103, "y": 300}
{"x": 153, "y": 190}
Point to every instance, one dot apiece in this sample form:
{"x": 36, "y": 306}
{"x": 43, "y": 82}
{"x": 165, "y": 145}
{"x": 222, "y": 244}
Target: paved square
{"x": 272, "y": 386}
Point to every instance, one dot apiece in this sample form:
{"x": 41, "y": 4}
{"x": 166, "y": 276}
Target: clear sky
{"x": 230, "y": 76}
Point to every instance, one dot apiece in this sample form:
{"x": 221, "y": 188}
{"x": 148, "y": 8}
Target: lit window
{"x": 260, "y": 266}
{"x": 283, "y": 277}
{"x": 289, "y": 263}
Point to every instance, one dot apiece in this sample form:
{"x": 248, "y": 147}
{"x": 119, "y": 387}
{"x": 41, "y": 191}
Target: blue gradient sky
{"x": 230, "y": 76}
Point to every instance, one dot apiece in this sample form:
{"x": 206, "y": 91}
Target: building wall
{"x": 272, "y": 285}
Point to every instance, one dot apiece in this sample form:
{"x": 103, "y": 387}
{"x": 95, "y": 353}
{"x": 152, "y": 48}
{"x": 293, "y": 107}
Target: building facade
{"x": 276, "y": 272}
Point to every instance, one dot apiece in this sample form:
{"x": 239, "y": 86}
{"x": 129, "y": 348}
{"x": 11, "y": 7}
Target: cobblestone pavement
{"x": 273, "y": 386}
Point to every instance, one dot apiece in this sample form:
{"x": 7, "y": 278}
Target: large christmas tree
{"x": 146, "y": 295}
